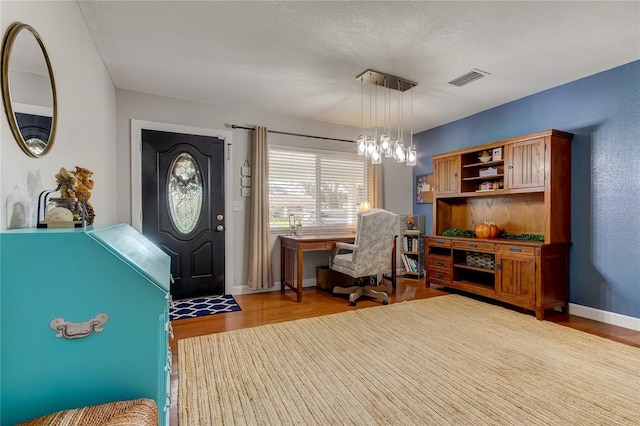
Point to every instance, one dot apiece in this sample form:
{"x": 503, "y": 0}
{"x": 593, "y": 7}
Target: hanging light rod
{"x": 302, "y": 135}
{"x": 378, "y": 78}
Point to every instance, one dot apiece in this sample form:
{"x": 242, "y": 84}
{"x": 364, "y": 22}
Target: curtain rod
{"x": 234, "y": 126}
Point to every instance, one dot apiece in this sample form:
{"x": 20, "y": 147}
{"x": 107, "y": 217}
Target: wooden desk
{"x": 292, "y": 245}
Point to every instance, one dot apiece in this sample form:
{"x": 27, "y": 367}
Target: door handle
{"x": 219, "y": 228}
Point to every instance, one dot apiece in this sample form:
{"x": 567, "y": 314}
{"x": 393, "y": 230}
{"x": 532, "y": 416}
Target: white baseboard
{"x": 605, "y": 316}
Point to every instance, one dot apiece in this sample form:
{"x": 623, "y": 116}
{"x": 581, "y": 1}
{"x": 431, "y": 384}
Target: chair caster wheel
{"x": 385, "y": 302}
{"x": 352, "y": 304}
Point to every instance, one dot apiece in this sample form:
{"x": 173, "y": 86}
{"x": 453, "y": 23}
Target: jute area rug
{"x": 446, "y": 360}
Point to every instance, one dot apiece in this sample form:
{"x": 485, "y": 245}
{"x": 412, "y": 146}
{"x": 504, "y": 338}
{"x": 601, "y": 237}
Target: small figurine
{"x": 411, "y": 225}
{"x": 83, "y": 188}
{"x": 67, "y": 182}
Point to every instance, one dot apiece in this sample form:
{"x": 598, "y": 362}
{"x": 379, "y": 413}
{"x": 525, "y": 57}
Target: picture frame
{"x": 424, "y": 189}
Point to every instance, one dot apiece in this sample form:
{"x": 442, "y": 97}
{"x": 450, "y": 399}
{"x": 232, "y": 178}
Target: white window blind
{"x": 321, "y": 188}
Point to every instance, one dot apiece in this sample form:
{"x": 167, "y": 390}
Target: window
{"x": 321, "y": 188}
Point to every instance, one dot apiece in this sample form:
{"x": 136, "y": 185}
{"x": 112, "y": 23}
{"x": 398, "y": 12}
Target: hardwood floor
{"x": 274, "y": 307}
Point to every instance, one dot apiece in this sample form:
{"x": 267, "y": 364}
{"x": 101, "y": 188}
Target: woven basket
{"x": 481, "y": 260}
{"x": 138, "y": 412}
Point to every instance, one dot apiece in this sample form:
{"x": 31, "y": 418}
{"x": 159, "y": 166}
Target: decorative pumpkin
{"x": 487, "y": 230}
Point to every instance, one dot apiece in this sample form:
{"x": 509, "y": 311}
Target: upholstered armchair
{"x": 368, "y": 256}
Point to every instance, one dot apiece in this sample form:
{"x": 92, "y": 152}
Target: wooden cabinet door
{"x": 447, "y": 175}
{"x": 516, "y": 277}
{"x": 525, "y": 164}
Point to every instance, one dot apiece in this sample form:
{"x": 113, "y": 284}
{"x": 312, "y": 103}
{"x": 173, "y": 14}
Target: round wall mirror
{"x": 28, "y": 89}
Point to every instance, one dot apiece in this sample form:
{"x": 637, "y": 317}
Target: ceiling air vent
{"x": 467, "y": 78}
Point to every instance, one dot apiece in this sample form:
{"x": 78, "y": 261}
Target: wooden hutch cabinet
{"x": 525, "y": 188}
{"x": 525, "y": 166}
{"x": 446, "y": 174}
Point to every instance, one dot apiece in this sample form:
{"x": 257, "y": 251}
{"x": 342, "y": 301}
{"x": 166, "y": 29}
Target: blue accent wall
{"x": 603, "y": 112}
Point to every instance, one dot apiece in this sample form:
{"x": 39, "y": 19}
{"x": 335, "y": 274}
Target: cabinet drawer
{"x": 435, "y": 274}
{"x": 438, "y": 242}
{"x": 474, "y": 246}
{"x": 515, "y": 249}
{"x": 438, "y": 262}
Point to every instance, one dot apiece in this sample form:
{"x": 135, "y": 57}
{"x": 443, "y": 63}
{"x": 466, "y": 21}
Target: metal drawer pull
{"x": 472, "y": 245}
{"x": 439, "y": 263}
{"x": 439, "y": 275}
{"x": 439, "y": 242}
{"x": 78, "y": 330}
{"x": 516, "y": 249}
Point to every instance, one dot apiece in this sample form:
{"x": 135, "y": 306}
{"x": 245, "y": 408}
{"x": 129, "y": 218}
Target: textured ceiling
{"x": 301, "y": 59}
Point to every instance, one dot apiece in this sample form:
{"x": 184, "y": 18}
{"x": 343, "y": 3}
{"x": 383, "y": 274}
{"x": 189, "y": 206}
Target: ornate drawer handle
{"x": 472, "y": 245}
{"x": 439, "y": 275}
{"x": 439, "y": 242}
{"x": 439, "y": 263}
{"x": 78, "y": 330}
{"x": 515, "y": 249}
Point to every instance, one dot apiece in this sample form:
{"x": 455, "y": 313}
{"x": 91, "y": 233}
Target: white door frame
{"x": 136, "y": 180}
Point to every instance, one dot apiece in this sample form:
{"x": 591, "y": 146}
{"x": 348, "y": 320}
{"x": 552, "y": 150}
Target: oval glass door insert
{"x": 185, "y": 193}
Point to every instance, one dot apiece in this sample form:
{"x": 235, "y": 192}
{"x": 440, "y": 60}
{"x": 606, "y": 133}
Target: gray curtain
{"x": 260, "y": 275}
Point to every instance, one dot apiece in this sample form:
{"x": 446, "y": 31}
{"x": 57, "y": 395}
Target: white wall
{"x": 132, "y": 105}
{"x": 86, "y": 109}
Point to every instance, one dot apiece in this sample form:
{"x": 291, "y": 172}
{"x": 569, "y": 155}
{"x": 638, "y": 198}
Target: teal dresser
{"x": 83, "y": 320}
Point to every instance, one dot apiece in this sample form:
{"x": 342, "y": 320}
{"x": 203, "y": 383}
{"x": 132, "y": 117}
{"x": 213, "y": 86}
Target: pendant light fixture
{"x": 385, "y": 138}
{"x": 373, "y": 146}
{"x": 412, "y": 155}
{"x": 376, "y": 154}
{"x": 362, "y": 141}
{"x": 398, "y": 147}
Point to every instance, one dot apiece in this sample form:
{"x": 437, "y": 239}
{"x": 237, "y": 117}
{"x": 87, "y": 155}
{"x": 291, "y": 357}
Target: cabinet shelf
{"x": 480, "y": 193}
{"x": 473, "y": 287}
{"x": 474, "y": 268}
{"x": 483, "y": 178}
{"x": 488, "y": 163}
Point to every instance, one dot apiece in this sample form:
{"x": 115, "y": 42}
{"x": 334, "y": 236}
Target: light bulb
{"x": 385, "y": 145}
{"x": 376, "y": 157}
{"x": 398, "y": 151}
{"x": 411, "y": 156}
{"x": 361, "y": 145}
{"x": 371, "y": 145}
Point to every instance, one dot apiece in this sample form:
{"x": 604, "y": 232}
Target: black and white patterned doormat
{"x": 201, "y": 306}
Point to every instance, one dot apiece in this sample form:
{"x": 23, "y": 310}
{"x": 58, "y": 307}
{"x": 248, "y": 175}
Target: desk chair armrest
{"x": 346, "y": 246}
{"x": 343, "y": 248}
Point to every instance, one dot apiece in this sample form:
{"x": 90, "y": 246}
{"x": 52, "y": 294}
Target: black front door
{"x": 183, "y": 208}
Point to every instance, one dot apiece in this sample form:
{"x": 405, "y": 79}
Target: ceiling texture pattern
{"x": 301, "y": 59}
